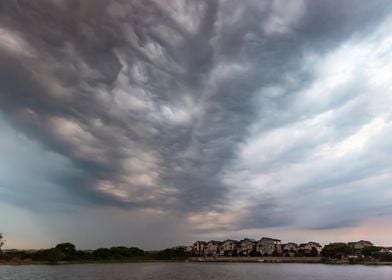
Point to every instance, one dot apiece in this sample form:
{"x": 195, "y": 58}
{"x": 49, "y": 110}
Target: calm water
{"x": 195, "y": 271}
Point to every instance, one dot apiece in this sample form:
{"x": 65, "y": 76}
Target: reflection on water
{"x": 196, "y": 271}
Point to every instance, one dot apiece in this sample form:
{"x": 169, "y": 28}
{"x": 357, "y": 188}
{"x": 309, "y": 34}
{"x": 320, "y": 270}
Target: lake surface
{"x": 196, "y": 271}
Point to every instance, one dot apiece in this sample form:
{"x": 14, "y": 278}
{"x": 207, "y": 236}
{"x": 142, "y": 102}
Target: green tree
{"x": 67, "y": 249}
{"x": 125, "y": 252}
{"x": 385, "y": 257}
{"x": 54, "y": 255}
{"x": 1, "y": 241}
{"x": 102, "y": 254}
{"x": 336, "y": 250}
{"x": 370, "y": 251}
{"x": 173, "y": 254}
{"x": 301, "y": 252}
{"x": 313, "y": 252}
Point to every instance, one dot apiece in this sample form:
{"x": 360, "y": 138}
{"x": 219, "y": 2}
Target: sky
{"x": 155, "y": 123}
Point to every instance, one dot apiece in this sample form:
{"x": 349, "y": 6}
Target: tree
{"x": 1, "y": 241}
{"x": 370, "y": 251}
{"x": 173, "y": 254}
{"x": 301, "y": 252}
{"x": 67, "y": 249}
{"x": 385, "y": 257}
{"x": 313, "y": 252}
{"x": 54, "y": 255}
{"x": 125, "y": 252}
{"x": 102, "y": 254}
{"x": 336, "y": 250}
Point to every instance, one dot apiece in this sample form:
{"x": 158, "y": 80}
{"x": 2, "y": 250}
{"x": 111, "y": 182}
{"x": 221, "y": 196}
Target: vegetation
{"x": 336, "y": 250}
{"x": 305, "y": 253}
{"x": 370, "y": 254}
{"x": 370, "y": 251}
{"x": 1, "y": 241}
{"x": 68, "y": 253}
{"x": 385, "y": 257}
{"x": 173, "y": 254}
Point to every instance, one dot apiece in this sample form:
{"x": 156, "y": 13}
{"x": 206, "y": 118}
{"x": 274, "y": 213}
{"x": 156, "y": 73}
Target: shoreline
{"x": 277, "y": 260}
{"x": 258, "y": 259}
{"x": 22, "y": 263}
{"x": 261, "y": 260}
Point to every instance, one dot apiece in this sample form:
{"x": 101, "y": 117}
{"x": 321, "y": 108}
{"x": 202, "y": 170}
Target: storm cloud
{"x": 229, "y": 115}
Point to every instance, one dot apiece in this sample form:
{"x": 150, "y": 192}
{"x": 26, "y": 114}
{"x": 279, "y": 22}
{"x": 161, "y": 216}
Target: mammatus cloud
{"x": 231, "y": 115}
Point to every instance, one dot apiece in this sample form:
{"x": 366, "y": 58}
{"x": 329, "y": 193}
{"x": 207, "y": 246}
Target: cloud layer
{"x": 227, "y": 115}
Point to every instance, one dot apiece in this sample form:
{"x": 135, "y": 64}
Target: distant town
{"x": 250, "y": 247}
{"x": 272, "y": 247}
{"x": 265, "y": 249}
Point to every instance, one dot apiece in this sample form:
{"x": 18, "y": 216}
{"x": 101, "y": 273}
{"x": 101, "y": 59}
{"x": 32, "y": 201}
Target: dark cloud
{"x": 156, "y": 104}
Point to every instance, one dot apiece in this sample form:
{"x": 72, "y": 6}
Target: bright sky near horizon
{"x": 158, "y": 122}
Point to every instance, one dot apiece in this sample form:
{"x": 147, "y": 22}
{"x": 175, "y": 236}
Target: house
{"x": 269, "y": 246}
{"x": 290, "y": 249}
{"x": 228, "y": 247}
{"x": 189, "y": 249}
{"x": 385, "y": 250}
{"x": 10, "y": 251}
{"x": 212, "y": 248}
{"x": 310, "y": 249}
{"x": 359, "y": 245}
{"x": 198, "y": 247}
{"x": 246, "y": 247}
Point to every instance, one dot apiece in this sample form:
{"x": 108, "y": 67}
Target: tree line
{"x": 67, "y": 252}
{"x": 341, "y": 250}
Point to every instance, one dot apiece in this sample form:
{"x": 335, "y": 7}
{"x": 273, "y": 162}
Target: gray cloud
{"x": 193, "y": 106}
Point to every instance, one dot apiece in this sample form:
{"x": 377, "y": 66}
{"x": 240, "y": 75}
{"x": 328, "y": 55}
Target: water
{"x": 196, "y": 271}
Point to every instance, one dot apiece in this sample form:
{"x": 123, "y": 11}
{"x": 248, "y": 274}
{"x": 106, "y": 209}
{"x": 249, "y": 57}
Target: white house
{"x": 198, "y": 247}
{"x": 228, "y": 247}
{"x": 308, "y": 247}
{"x": 246, "y": 247}
{"x": 268, "y": 246}
{"x": 212, "y": 248}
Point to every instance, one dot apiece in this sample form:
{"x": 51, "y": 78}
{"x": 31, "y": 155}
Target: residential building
{"x": 269, "y": 246}
{"x": 386, "y": 250}
{"x": 212, "y": 248}
{"x": 246, "y": 247}
{"x": 228, "y": 247}
{"x": 10, "y": 250}
{"x": 198, "y": 247}
{"x": 359, "y": 245}
{"x": 290, "y": 249}
{"x": 310, "y": 248}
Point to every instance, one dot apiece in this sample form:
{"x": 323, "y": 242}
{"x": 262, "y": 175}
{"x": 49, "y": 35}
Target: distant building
{"x": 359, "y": 245}
{"x": 386, "y": 250}
{"x": 269, "y": 246}
{"x": 246, "y": 247}
{"x": 10, "y": 250}
{"x": 212, "y": 248}
{"x": 198, "y": 247}
{"x": 290, "y": 249}
{"x": 228, "y": 247}
{"x": 310, "y": 247}
{"x": 189, "y": 248}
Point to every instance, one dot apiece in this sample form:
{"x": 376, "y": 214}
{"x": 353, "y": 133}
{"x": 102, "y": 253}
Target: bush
{"x": 336, "y": 250}
{"x": 385, "y": 257}
{"x": 370, "y": 251}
